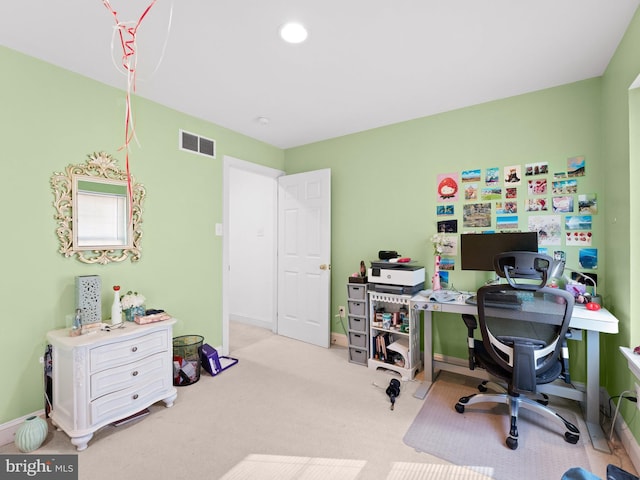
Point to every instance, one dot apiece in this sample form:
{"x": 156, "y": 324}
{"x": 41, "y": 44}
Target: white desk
{"x": 592, "y": 322}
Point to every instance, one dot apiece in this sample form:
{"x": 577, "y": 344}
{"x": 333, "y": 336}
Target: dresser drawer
{"x": 127, "y": 351}
{"x": 123, "y": 403}
{"x": 125, "y": 376}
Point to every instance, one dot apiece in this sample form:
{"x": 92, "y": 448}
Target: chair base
{"x": 571, "y": 435}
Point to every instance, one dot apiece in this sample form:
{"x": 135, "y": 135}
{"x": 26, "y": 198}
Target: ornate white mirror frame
{"x": 124, "y": 242}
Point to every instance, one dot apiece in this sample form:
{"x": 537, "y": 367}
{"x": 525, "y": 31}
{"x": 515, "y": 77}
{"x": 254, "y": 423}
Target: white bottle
{"x": 116, "y": 308}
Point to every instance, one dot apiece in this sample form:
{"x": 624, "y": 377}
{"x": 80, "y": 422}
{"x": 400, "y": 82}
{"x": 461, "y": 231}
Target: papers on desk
{"x": 443, "y": 296}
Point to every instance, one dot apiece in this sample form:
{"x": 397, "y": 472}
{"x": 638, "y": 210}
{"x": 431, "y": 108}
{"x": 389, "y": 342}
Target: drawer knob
{"x": 135, "y": 373}
{"x": 135, "y": 396}
{"x": 134, "y": 349}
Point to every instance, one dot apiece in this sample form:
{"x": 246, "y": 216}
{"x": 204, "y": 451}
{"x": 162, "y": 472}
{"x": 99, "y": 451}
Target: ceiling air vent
{"x": 197, "y": 144}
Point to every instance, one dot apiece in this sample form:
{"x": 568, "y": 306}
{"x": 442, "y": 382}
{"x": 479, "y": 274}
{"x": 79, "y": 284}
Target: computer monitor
{"x": 478, "y": 249}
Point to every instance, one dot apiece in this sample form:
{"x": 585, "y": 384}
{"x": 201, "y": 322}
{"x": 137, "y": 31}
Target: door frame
{"x": 229, "y": 163}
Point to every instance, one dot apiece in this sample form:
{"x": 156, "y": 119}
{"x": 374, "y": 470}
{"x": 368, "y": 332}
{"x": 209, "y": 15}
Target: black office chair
{"x": 523, "y": 326}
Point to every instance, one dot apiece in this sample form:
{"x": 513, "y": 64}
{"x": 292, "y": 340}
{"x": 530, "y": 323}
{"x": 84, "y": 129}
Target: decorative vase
{"x": 435, "y": 280}
{"x": 130, "y": 313}
{"x": 31, "y": 434}
{"x": 116, "y": 307}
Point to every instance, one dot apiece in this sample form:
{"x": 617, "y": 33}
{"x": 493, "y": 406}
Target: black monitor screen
{"x": 478, "y": 249}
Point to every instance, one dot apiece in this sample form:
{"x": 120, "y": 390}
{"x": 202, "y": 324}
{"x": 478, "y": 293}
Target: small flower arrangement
{"x": 132, "y": 299}
{"x": 440, "y": 241}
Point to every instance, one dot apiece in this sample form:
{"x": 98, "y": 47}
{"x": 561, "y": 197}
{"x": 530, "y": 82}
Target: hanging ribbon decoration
{"x": 127, "y": 34}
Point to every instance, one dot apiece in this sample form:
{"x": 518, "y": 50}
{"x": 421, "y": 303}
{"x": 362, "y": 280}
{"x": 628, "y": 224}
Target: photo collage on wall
{"x": 518, "y": 197}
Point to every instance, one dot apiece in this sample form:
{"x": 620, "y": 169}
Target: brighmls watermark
{"x": 52, "y": 467}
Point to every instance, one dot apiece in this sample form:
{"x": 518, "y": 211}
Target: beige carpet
{"x": 476, "y": 438}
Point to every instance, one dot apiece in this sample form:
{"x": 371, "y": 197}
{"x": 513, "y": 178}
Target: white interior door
{"x": 304, "y": 254}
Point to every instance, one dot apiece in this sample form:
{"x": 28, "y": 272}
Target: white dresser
{"x": 107, "y": 376}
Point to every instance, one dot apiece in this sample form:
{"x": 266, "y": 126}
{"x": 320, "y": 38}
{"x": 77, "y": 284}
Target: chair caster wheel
{"x": 482, "y": 388}
{"x": 459, "y": 408}
{"x": 512, "y": 443}
{"x": 571, "y": 437}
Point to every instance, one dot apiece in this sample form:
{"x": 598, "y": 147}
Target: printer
{"x": 400, "y": 278}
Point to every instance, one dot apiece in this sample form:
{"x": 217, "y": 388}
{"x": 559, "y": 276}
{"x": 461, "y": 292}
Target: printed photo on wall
{"x": 447, "y": 263}
{"x": 471, "y": 191}
{"x": 507, "y": 222}
{"x": 588, "y": 258}
{"x": 444, "y": 209}
{"x": 560, "y": 255}
{"x": 559, "y": 175}
{"x": 476, "y": 215}
{"x": 537, "y": 187}
{"x": 562, "y": 204}
{"x": 471, "y": 175}
{"x": 577, "y": 222}
{"x": 444, "y": 279}
{"x": 448, "y": 226}
{"x": 588, "y": 203}
{"x": 448, "y": 187}
{"x": 512, "y": 175}
{"x": 490, "y": 193}
{"x": 576, "y": 166}
{"x": 506, "y": 207}
{"x": 576, "y": 238}
{"x": 540, "y": 168}
{"x": 565, "y": 187}
{"x": 492, "y": 176}
{"x": 511, "y": 193}
{"x": 450, "y": 246}
{"x": 549, "y": 229}
{"x": 536, "y": 205}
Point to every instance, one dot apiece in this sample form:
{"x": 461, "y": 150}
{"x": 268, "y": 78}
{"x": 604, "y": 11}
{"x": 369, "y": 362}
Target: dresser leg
{"x": 81, "y": 443}
{"x": 169, "y": 400}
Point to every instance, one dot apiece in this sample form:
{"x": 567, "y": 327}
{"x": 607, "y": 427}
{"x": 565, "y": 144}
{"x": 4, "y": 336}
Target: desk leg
{"x": 592, "y": 407}
{"x": 423, "y": 389}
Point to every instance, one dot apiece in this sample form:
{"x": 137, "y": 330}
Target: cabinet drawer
{"x": 357, "y": 339}
{"x": 127, "y": 351}
{"x": 123, "y": 403}
{"x": 125, "y": 376}
{"x": 357, "y": 324}
{"x": 357, "y": 292}
{"x": 357, "y": 307}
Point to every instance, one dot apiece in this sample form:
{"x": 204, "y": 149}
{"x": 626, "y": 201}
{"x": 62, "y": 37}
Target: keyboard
{"x": 497, "y": 300}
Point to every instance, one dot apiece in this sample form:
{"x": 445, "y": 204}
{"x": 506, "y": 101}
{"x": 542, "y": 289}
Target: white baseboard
{"x": 339, "y": 339}
{"x": 8, "y": 430}
{"x": 629, "y": 442}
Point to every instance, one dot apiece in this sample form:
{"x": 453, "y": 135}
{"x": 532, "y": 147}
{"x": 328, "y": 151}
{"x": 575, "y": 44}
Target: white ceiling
{"x": 366, "y": 63}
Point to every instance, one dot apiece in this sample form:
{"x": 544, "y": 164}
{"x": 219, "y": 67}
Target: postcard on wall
{"x": 577, "y": 222}
{"x": 511, "y": 192}
{"x": 490, "y": 193}
{"x": 448, "y": 226}
{"x": 447, "y": 263}
{"x": 560, "y": 255}
{"x": 506, "y": 222}
{"x": 588, "y": 203}
{"x": 537, "y": 187}
{"x": 559, "y": 175}
{"x": 588, "y": 258}
{"x": 448, "y": 187}
{"x": 506, "y": 207}
{"x": 492, "y": 176}
{"x": 471, "y": 191}
{"x": 450, "y": 246}
{"x": 549, "y": 228}
{"x": 476, "y": 215}
{"x": 565, "y": 187}
{"x": 471, "y": 175}
{"x": 512, "y": 175}
{"x": 576, "y": 238}
{"x": 444, "y": 209}
{"x": 562, "y": 204}
{"x": 536, "y": 205}
{"x": 444, "y": 279}
{"x": 540, "y": 168}
{"x": 576, "y": 166}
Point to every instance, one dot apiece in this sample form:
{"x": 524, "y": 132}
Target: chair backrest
{"x": 523, "y": 325}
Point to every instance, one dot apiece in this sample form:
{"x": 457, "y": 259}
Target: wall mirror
{"x": 98, "y": 221}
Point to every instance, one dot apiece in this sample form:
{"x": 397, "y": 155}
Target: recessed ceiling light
{"x": 293, "y": 32}
{"x": 262, "y": 120}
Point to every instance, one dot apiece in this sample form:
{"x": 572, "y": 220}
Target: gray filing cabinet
{"x": 358, "y": 302}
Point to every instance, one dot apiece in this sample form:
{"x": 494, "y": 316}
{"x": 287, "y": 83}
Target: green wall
{"x": 384, "y": 180}
{"x": 51, "y": 118}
